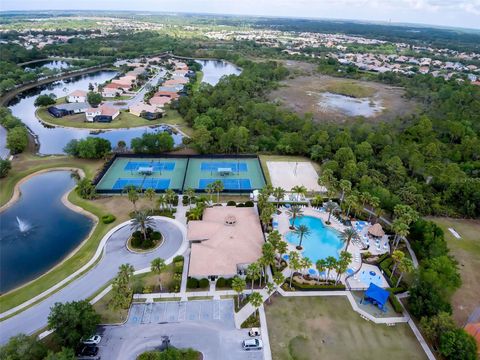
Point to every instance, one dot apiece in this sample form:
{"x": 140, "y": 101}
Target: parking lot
{"x": 205, "y": 325}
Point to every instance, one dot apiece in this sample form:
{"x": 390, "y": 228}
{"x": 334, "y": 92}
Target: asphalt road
{"x": 115, "y": 254}
{"x": 205, "y": 325}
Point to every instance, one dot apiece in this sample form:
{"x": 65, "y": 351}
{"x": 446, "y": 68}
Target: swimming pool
{"x": 322, "y": 242}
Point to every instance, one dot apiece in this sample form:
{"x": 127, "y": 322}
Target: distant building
{"x": 78, "y": 96}
{"x": 103, "y": 113}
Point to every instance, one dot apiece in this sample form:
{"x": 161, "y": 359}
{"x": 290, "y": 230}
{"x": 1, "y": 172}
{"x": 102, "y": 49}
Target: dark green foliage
{"x": 178, "y": 258}
{"x": 44, "y": 100}
{"x": 221, "y": 282}
{"x": 85, "y": 189}
{"x": 88, "y": 148}
{"x": 395, "y": 303}
{"x": 309, "y": 287}
{"x": 458, "y": 345}
{"x": 73, "y": 321}
{"x": 153, "y": 143}
{"x": 23, "y": 347}
{"x": 108, "y": 219}
{"x": 138, "y": 241}
{"x": 170, "y": 354}
{"x": 248, "y": 203}
{"x": 64, "y": 354}
{"x": 192, "y": 283}
{"x": 5, "y": 166}
{"x": 427, "y": 239}
{"x": 94, "y": 98}
{"x": 231, "y": 203}
{"x": 203, "y": 283}
{"x": 17, "y": 139}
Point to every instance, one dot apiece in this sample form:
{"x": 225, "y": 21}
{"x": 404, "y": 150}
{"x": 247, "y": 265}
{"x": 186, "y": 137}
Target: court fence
{"x": 244, "y": 186}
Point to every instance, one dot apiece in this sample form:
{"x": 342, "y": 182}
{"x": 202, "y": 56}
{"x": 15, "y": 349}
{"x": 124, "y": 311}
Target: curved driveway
{"x": 115, "y": 254}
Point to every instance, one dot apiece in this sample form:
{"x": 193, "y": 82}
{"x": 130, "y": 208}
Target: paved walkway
{"x": 114, "y": 253}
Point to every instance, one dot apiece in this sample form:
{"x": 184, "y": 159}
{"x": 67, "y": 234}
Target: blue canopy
{"x": 377, "y": 295}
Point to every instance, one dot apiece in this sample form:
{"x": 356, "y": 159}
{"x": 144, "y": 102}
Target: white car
{"x": 94, "y": 340}
{"x": 252, "y": 344}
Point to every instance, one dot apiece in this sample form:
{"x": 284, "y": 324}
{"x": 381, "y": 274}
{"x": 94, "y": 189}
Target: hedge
{"x": 192, "y": 283}
{"x": 203, "y": 283}
{"x": 221, "y": 282}
{"x": 178, "y": 258}
{"x": 249, "y": 203}
{"x": 395, "y": 303}
{"x": 231, "y": 203}
{"x": 109, "y": 218}
{"x": 308, "y": 287}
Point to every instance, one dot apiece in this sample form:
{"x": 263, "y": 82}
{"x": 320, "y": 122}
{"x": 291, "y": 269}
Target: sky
{"x": 455, "y": 13}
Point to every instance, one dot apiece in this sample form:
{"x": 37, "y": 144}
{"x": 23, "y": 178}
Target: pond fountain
{"x": 30, "y": 247}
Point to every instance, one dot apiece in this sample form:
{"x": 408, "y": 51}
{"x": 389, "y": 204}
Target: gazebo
{"x": 376, "y": 230}
{"x": 376, "y": 295}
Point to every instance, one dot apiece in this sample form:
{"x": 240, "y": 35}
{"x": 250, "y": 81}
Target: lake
{"x": 38, "y": 231}
{"x": 53, "y": 140}
{"x": 213, "y": 70}
{"x": 349, "y": 106}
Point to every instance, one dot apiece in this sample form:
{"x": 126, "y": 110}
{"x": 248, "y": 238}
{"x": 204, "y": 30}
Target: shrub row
{"x": 108, "y": 219}
{"x": 309, "y": 287}
{"x": 193, "y": 283}
{"x": 395, "y": 303}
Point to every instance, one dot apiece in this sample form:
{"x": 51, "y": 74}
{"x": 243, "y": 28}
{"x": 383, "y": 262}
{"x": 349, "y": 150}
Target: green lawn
{"x": 327, "y": 328}
{"x": 172, "y": 117}
{"x": 107, "y": 315}
{"x": 124, "y": 120}
{"x": 350, "y": 88}
{"x": 467, "y": 252}
{"x": 265, "y": 158}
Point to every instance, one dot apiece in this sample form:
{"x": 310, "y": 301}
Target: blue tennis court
{"x": 156, "y": 165}
{"x": 157, "y": 184}
{"x": 234, "y": 166}
{"x": 228, "y": 184}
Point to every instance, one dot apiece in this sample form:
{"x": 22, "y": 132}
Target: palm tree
{"x": 321, "y": 265}
{"x": 365, "y": 198}
{"x": 301, "y": 231}
{"x": 218, "y": 188}
{"x": 331, "y": 207}
{"x": 125, "y": 273}
{"x": 196, "y": 213}
{"x": 256, "y": 300}
{"x": 170, "y": 197}
{"x": 294, "y": 213}
{"x": 405, "y": 266}
{"x": 268, "y": 254}
{"x": 278, "y": 194}
{"x": 150, "y": 194}
{"x": 238, "y": 285}
{"x": 345, "y": 186}
{"x": 347, "y": 235}
{"x": 300, "y": 190}
{"x": 162, "y": 201}
{"x": 266, "y": 214}
{"x": 132, "y": 194}
{"x": 294, "y": 264}
{"x": 158, "y": 266}
{"x": 278, "y": 278}
{"x": 141, "y": 221}
{"x": 190, "y": 193}
{"x": 270, "y": 287}
{"x": 342, "y": 264}
{"x": 274, "y": 238}
{"x": 305, "y": 263}
{"x": 330, "y": 263}
{"x": 397, "y": 257}
{"x": 253, "y": 272}
{"x": 210, "y": 190}
{"x": 374, "y": 202}
{"x": 400, "y": 229}
{"x": 351, "y": 201}
{"x": 282, "y": 247}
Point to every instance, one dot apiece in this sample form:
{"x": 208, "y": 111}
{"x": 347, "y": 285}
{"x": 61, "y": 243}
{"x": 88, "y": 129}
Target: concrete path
{"x": 115, "y": 253}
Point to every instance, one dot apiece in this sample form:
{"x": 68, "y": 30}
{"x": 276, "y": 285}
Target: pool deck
{"x": 359, "y": 280}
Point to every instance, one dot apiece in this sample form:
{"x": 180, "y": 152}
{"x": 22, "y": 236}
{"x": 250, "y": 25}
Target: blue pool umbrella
{"x": 312, "y": 271}
{"x": 286, "y": 257}
{"x": 350, "y": 271}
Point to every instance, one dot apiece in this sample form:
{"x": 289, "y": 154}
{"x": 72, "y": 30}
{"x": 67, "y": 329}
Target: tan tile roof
{"x": 222, "y": 246}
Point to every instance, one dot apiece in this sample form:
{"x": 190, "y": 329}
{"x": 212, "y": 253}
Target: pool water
{"x": 322, "y": 242}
